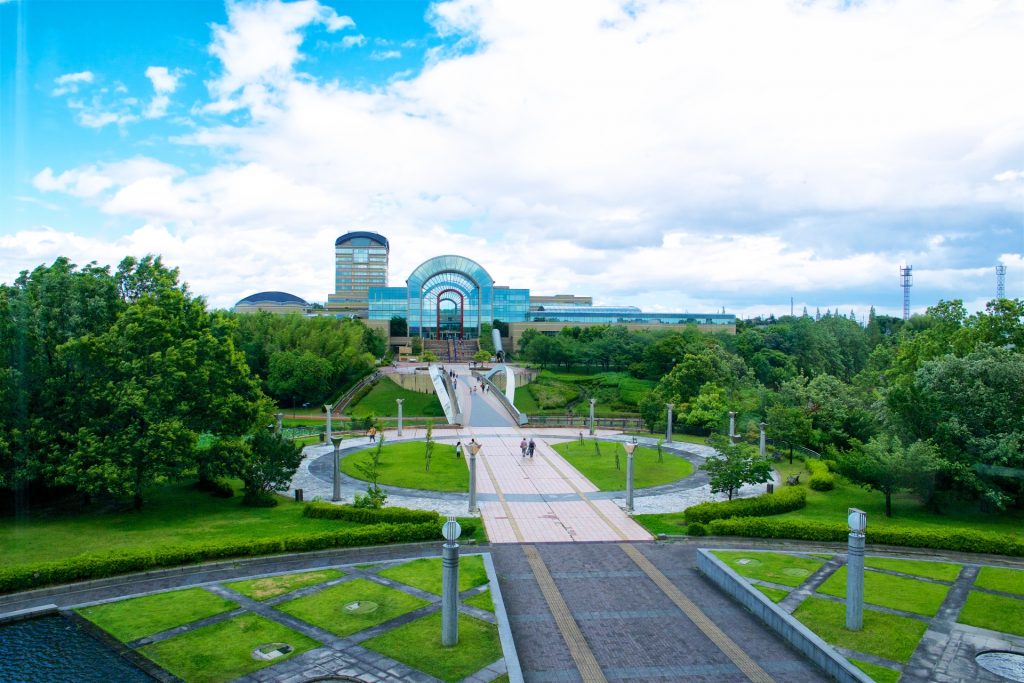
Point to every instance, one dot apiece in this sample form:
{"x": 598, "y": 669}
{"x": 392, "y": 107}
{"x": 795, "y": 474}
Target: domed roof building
{"x": 273, "y": 302}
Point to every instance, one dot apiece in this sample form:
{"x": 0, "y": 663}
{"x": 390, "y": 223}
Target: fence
{"x": 624, "y": 423}
{"x": 351, "y": 393}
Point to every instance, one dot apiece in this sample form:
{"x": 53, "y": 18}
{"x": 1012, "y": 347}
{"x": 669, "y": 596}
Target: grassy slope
{"x": 381, "y": 402}
{"x": 402, "y": 464}
{"x": 174, "y": 515}
{"x": 647, "y": 471}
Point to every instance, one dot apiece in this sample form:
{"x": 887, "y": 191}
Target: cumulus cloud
{"x": 353, "y": 41}
{"x": 693, "y": 154}
{"x": 69, "y": 83}
{"x": 165, "y": 82}
{"x": 381, "y": 55}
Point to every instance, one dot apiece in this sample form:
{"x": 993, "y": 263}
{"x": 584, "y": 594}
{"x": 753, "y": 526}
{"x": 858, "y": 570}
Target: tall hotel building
{"x": 360, "y": 262}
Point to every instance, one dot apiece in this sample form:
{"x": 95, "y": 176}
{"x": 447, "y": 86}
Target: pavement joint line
{"x": 727, "y": 645}
{"x": 581, "y": 653}
{"x": 501, "y": 499}
{"x": 583, "y": 496}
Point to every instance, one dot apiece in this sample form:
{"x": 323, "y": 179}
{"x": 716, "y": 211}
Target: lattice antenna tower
{"x": 1000, "y": 282}
{"x": 906, "y": 282}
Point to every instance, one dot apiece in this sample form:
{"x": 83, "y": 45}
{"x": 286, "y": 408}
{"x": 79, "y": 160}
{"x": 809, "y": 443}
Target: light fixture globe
{"x": 630, "y": 447}
{"x": 336, "y": 440}
{"x": 857, "y": 520}
{"x": 451, "y": 530}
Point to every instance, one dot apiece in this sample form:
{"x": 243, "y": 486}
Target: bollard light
{"x": 857, "y": 520}
{"x": 630, "y": 447}
{"x": 451, "y": 530}
{"x": 336, "y": 440}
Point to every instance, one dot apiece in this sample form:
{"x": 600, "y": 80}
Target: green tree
{"x": 399, "y": 326}
{"x": 428, "y": 445}
{"x": 884, "y": 464}
{"x": 706, "y": 412}
{"x": 268, "y": 466}
{"x": 298, "y": 377}
{"x": 791, "y": 426}
{"x": 735, "y": 465}
{"x": 482, "y": 356}
{"x": 375, "y": 495}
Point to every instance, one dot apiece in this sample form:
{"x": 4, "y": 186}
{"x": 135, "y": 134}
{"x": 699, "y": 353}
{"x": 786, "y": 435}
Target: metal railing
{"x": 347, "y": 397}
{"x": 630, "y": 423}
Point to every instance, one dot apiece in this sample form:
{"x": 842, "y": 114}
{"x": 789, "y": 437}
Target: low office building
{"x": 272, "y": 302}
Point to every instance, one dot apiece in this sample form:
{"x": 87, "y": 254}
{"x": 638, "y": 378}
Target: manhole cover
{"x": 271, "y": 651}
{"x": 796, "y": 571}
{"x": 747, "y": 562}
{"x": 361, "y": 607}
{"x": 1009, "y": 665}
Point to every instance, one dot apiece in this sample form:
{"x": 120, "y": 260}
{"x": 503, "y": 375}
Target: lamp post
{"x": 857, "y": 520}
{"x": 762, "y": 448}
{"x": 732, "y": 424}
{"x": 277, "y": 425}
{"x": 474, "y": 448}
{"x": 668, "y": 427}
{"x": 399, "y": 402}
{"x": 592, "y": 401}
{"x": 327, "y": 407}
{"x": 450, "y": 583}
{"x": 336, "y": 440}
{"x": 630, "y": 447}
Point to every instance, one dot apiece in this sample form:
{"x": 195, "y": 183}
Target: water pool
{"x": 56, "y": 649}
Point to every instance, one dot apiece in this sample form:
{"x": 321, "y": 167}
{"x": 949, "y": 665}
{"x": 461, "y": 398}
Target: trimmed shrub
{"x": 950, "y": 538}
{"x": 785, "y": 500}
{"x": 216, "y": 487}
{"x": 822, "y": 478}
{"x": 87, "y": 567}
{"x": 696, "y": 529}
{"x": 350, "y": 513}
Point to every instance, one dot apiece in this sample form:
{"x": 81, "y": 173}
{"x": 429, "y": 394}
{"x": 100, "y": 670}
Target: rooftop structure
{"x": 273, "y": 302}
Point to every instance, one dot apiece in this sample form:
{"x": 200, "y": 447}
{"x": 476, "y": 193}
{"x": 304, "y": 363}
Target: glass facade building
{"x": 360, "y": 262}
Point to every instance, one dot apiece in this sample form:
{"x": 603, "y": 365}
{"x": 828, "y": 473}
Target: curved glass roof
{"x": 448, "y": 264}
{"x": 361, "y": 236}
{"x": 272, "y": 298}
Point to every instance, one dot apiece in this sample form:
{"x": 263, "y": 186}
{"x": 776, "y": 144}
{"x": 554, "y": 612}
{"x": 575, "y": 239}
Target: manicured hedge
{"x": 952, "y": 538}
{"x": 786, "y": 500}
{"x": 822, "y": 478}
{"x": 394, "y": 515}
{"x": 99, "y": 566}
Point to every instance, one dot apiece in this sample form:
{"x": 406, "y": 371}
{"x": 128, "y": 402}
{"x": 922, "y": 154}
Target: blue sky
{"x": 675, "y": 155}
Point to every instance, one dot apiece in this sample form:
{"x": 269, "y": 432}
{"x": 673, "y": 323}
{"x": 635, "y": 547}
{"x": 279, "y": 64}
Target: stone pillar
{"x": 336, "y": 496}
{"x": 629, "y": 479}
{"x": 762, "y": 426}
{"x": 450, "y": 593}
{"x": 327, "y": 408}
{"x": 668, "y": 427}
{"x": 277, "y": 426}
{"x": 732, "y": 423}
{"x": 399, "y": 402}
{"x": 855, "y": 582}
{"x": 592, "y": 401}
{"x": 473, "y": 450}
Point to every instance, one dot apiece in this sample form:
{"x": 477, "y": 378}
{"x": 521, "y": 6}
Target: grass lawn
{"x": 223, "y": 651}
{"x": 686, "y": 438}
{"x": 481, "y": 600}
{"x": 480, "y": 535}
{"x": 525, "y": 401}
{"x": 272, "y": 586}
{"x": 129, "y": 620}
{"x": 402, "y": 464}
{"x": 999, "y": 579}
{"x": 418, "y": 644}
{"x": 931, "y": 570}
{"x": 887, "y": 590}
{"x": 907, "y": 510}
{"x": 774, "y": 594}
{"x": 327, "y": 608}
{"x": 174, "y": 515}
{"x": 883, "y": 635}
{"x": 881, "y": 674}
{"x": 671, "y": 523}
{"x": 600, "y": 470}
{"x": 788, "y": 570}
{"x": 380, "y": 402}
{"x": 994, "y": 612}
{"x": 425, "y": 574}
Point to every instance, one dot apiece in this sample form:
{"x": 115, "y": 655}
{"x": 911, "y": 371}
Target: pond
{"x": 56, "y": 649}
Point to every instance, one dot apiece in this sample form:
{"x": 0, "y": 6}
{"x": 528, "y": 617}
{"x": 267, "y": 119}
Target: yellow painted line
{"x": 501, "y": 499}
{"x": 727, "y": 645}
{"x": 619, "y": 532}
{"x": 581, "y": 653}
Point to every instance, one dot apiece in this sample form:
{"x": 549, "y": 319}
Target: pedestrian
{"x": 372, "y": 434}
{"x": 531, "y": 447}
{"x": 522, "y": 446}
{"x": 458, "y": 450}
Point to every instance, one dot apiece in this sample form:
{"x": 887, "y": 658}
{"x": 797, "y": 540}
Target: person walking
{"x": 372, "y": 434}
{"x": 522, "y": 446}
{"x": 531, "y": 447}
{"x": 458, "y": 450}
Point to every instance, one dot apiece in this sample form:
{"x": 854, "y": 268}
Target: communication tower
{"x": 1000, "y": 282}
{"x": 906, "y": 282}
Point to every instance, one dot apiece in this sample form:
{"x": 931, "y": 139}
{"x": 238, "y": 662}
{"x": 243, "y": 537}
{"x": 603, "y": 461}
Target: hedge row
{"x": 822, "y": 478}
{"x": 87, "y": 567}
{"x": 393, "y": 515}
{"x": 786, "y": 500}
{"x": 952, "y": 538}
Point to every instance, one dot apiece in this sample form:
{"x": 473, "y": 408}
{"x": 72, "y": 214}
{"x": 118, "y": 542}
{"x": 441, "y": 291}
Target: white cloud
{"x": 353, "y": 41}
{"x": 68, "y": 83}
{"x": 381, "y": 55}
{"x": 165, "y": 82}
{"x": 1009, "y": 176}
